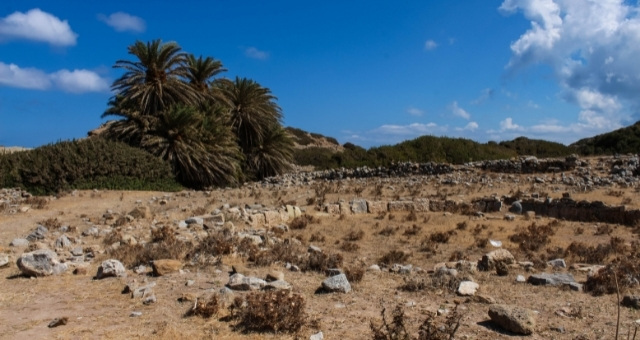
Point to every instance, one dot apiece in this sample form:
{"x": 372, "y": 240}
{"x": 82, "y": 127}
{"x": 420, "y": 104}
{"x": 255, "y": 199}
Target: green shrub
{"x": 85, "y": 164}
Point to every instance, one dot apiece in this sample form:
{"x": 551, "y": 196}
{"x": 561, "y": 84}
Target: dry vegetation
{"x": 382, "y": 305}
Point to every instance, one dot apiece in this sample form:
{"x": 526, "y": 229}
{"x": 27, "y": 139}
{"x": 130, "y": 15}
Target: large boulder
{"x": 111, "y": 268}
{"x": 240, "y": 282}
{"x": 164, "y": 267}
{"x": 337, "y": 283}
{"x": 38, "y": 234}
{"x": 42, "y": 262}
{"x": 513, "y": 318}
{"x": 490, "y": 259}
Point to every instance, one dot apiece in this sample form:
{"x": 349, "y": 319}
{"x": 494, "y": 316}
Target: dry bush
{"x": 350, "y": 246}
{"x": 457, "y": 256}
{"x": 51, "y": 223}
{"x": 578, "y": 231}
{"x": 354, "y": 235}
{"x": 381, "y": 215}
{"x": 443, "y": 280}
{"x": 392, "y": 217}
{"x": 441, "y": 237}
{"x": 534, "y": 238}
{"x": 394, "y": 330}
{"x": 589, "y": 254}
{"x": 301, "y": 222}
{"x": 273, "y": 311}
{"x": 413, "y": 284}
{"x": 205, "y": 308}
{"x": 311, "y": 200}
{"x": 164, "y": 246}
{"x": 199, "y": 211}
{"x": 215, "y": 244}
{"x": 481, "y": 242}
{"x": 411, "y": 217}
{"x": 388, "y": 231}
{"x": 317, "y": 237}
{"x": 626, "y": 271}
{"x": 430, "y": 329}
{"x": 165, "y": 233}
{"x": 413, "y": 230}
{"x": 429, "y": 247}
{"x": 36, "y": 202}
{"x": 393, "y": 256}
{"x": 354, "y": 273}
{"x": 112, "y": 237}
{"x": 461, "y": 225}
{"x": 603, "y": 229}
{"x": 320, "y": 262}
{"x": 279, "y": 252}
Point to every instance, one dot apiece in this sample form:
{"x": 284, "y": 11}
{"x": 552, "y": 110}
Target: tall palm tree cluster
{"x": 213, "y": 131}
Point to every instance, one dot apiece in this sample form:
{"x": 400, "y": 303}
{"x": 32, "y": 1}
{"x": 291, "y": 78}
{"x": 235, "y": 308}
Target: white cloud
{"x": 509, "y": 125}
{"x": 592, "y": 48}
{"x": 458, "y": 111}
{"x": 121, "y": 22}
{"x": 472, "y": 126}
{"x": 414, "y": 129}
{"x": 255, "y": 53}
{"x": 76, "y": 81}
{"x": 27, "y": 78}
{"x": 414, "y": 111}
{"x": 533, "y": 104}
{"x": 38, "y": 26}
{"x": 430, "y": 45}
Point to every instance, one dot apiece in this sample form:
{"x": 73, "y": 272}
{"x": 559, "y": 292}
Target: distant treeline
{"x": 622, "y": 141}
{"x": 429, "y": 148}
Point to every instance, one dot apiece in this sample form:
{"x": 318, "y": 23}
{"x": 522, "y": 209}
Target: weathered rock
{"x": 58, "y": 322}
{"x": 62, "y": 242}
{"x": 272, "y": 218}
{"x": 376, "y": 207}
{"x": 555, "y": 279}
{"x": 516, "y": 207}
{"x": 277, "y": 285}
{"x": 4, "y": 260}
{"x": 143, "y": 291}
{"x": 490, "y": 259}
{"x": 359, "y": 206}
{"x": 42, "y": 262}
{"x": 111, "y": 268}
{"x": 194, "y": 220}
{"x": 255, "y": 239}
{"x": 314, "y": 249}
{"x": 333, "y": 209}
{"x": 395, "y": 206}
{"x": 19, "y": 242}
{"x": 514, "y": 319}
{"x": 509, "y": 217}
{"x": 374, "y": 268}
{"x": 166, "y": 266}
{"x": 557, "y": 263}
{"x": 240, "y": 282}
{"x": 338, "y": 283}
{"x": 317, "y": 336}
{"x": 38, "y": 234}
{"x": 468, "y": 288}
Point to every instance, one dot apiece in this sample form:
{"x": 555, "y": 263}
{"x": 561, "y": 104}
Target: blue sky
{"x": 367, "y": 72}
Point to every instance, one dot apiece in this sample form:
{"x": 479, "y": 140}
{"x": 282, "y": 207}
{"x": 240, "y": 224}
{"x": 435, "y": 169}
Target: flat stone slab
{"x": 546, "y": 279}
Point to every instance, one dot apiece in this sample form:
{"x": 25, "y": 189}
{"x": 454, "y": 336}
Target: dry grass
{"x": 278, "y": 311}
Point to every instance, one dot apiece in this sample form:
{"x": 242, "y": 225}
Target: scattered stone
{"x": 4, "y": 260}
{"x": 77, "y": 251}
{"x": 559, "y": 329}
{"x": 277, "y": 285}
{"x": 240, "y": 282}
{"x": 521, "y": 278}
{"x": 141, "y": 269}
{"x": 490, "y": 259}
{"x": 317, "y": 336}
{"x": 150, "y": 299}
{"x": 557, "y": 263}
{"x": 314, "y": 249}
{"x": 93, "y": 231}
{"x": 338, "y": 283}
{"x": 19, "y": 242}
{"x": 509, "y": 217}
{"x": 333, "y": 271}
{"x": 468, "y": 288}
{"x": 63, "y": 242}
{"x": 555, "y": 279}
{"x": 42, "y": 262}
{"x": 484, "y": 299}
{"x": 58, "y": 322}
{"x": 374, "y": 268}
{"x": 516, "y": 207}
{"x": 166, "y": 266}
{"x": 141, "y": 292}
{"x": 111, "y": 268}
{"x": 190, "y": 283}
{"x": 514, "y": 319}
{"x": 135, "y": 314}
{"x": 38, "y": 234}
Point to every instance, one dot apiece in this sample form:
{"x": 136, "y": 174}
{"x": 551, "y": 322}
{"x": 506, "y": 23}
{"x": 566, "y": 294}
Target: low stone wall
{"x": 530, "y": 165}
{"x": 583, "y": 211}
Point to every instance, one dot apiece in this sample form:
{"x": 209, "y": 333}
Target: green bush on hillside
{"x": 85, "y": 164}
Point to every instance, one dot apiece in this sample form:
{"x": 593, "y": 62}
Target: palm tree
{"x": 155, "y": 81}
{"x": 182, "y": 138}
{"x": 252, "y": 110}
{"x": 201, "y": 72}
{"x": 273, "y": 156}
